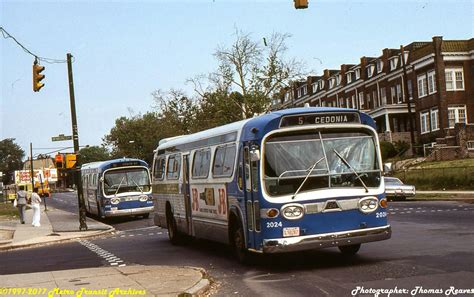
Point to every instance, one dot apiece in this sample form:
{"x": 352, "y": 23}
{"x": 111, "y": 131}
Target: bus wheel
{"x": 173, "y": 234}
{"x": 238, "y": 244}
{"x": 349, "y": 250}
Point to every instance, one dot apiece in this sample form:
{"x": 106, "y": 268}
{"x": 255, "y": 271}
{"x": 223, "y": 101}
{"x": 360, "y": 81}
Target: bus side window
{"x": 247, "y": 169}
{"x": 159, "y": 168}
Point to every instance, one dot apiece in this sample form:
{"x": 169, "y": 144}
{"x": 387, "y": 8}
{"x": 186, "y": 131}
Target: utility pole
{"x": 75, "y": 138}
{"x": 32, "y": 172}
{"x": 407, "y": 96}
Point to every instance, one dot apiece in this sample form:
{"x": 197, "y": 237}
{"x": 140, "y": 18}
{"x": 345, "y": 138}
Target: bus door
{"x": 250, "y": 196}
{"x": 186, "y": 193}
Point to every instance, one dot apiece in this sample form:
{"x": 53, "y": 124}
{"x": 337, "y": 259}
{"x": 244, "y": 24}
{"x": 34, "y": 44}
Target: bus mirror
{"x": 387, "y": 167}
{"x": 101, "y": 179}
{"x": 254, "y": 155}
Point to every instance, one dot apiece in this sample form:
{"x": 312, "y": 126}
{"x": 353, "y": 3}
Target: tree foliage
{"x": 94, "y": 154}
{"x": 246, "y": 79}
{"x": 11, "y": 155}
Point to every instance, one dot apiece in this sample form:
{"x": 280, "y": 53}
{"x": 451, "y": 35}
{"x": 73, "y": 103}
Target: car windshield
{"x": 316, "y": 160}
{"x": 126, "y": 180}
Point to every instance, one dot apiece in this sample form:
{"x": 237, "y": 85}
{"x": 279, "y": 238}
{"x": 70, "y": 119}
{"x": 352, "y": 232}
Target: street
{"x": 431, "y": 248}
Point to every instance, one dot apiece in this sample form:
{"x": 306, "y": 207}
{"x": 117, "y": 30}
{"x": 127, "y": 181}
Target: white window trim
{"x": 393, "y": 63}
{"x": 349, "y": 77}
{"x": 456, "y": 114}
{"x": 321, "y": 84}
{"x": 434, "y": 111}
{"x": 453, "y": 71}
{"x": 379, "y": 66}
{"x": 315, "y": 87}
{"x": 419, "y": 78}
{"x": 424, "y": 116}
{"x": 431, "y": 74}
{"x": 357, "y": 73}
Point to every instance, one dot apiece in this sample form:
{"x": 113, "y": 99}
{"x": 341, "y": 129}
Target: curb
{"x": 200, "y": 288}
{"x": 59, "y": 240}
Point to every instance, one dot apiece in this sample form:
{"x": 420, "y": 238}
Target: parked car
{"x": 395, "y": 189}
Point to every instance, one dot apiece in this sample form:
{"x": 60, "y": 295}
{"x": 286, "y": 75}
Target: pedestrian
{"x": 35, "y": 204}
{"x": 21, "y": 197}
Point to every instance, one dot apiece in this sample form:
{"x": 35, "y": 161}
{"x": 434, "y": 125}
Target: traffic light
{"x": 59, "y": 160}
{"x": 301, "y": 4}
{"x": 37, "y": 76}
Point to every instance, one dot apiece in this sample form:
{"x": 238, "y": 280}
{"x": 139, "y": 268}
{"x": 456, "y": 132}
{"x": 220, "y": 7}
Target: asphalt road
{"x": 431, "y": 247}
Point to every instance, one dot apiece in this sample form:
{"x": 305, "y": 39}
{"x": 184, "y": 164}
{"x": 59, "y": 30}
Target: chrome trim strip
{"x": 299, "y": 243}
{"x": 130, "y": 211}
{"x": 209, "y": 221}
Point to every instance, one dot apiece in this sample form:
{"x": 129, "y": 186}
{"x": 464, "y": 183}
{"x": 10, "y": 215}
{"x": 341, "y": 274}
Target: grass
{"x": 441, "y": 175}
{"x": 8, "y": 210}
{"x": 447, "y": 164}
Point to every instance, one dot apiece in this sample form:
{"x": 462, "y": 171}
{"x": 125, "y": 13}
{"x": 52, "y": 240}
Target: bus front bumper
{"x": 131, "y": 211}
{"x": 300, "y": 243}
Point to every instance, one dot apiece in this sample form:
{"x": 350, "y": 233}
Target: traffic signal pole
{"x": 75, "y": 138}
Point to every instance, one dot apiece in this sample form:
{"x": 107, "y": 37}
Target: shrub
{"x": 388, "y": 150}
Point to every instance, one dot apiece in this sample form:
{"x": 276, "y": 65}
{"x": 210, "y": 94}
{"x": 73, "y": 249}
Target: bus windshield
{"x": 310, "y": 160}
{"x": 126, "y": 180}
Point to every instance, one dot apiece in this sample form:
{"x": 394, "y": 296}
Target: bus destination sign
{"x": 320, "y": 119}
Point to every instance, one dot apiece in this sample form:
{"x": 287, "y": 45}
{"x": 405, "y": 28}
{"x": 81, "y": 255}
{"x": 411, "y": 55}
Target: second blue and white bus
{"x": 119, "y": 187}
{"x": 290, "y": 180}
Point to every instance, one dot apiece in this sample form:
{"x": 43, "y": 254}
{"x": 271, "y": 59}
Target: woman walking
{"x": 35, "y": 204}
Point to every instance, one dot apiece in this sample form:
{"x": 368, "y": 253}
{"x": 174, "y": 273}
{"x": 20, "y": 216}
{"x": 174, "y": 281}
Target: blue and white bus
{"x": 290, "y": 180}
{"x": 119, "y": 187}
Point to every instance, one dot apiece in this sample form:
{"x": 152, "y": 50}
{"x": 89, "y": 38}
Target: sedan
{"x": 395, "y": 189}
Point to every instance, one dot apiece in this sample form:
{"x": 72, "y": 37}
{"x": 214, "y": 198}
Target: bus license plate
{"x": 291, "y": 231}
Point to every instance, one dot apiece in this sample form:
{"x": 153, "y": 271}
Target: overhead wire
{"x": 7, "y": 35}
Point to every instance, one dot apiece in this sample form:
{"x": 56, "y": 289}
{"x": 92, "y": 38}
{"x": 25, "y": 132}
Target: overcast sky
{"x": 124, "y": 50}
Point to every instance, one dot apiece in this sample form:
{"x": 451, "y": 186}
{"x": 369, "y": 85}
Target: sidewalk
{"x": 58, "y": 226}
{"x": 109, "y": 281}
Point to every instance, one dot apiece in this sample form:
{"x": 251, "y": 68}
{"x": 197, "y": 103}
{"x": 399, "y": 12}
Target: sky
{"x": 125, "y": 50}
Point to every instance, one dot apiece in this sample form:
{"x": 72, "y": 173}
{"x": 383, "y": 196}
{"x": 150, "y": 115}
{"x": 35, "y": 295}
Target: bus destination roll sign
{"x": 320, "y": 119}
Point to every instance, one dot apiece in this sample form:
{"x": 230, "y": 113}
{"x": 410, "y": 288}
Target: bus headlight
{"x": 115, "y": 200}
{"x": 368, "y": 204}
{"x": 292, "y": 211}
{"x": 143, "y": 198}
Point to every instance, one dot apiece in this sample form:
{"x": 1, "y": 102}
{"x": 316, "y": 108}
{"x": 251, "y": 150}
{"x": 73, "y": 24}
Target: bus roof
{"x": 256, "y": 127}
{"x": 103, "y": 165}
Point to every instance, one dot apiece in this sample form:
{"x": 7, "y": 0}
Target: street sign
{"x": 61, "y": 137}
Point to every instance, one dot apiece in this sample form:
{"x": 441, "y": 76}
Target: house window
{"x": 434, "y": 119}
{"x": 357, "y": 73}
{"x": 361, "y": 100}
{"x": 393, "y": 94}
{"x": 349, "y": 77}
{"x": 456, "y": 114}
{"x": 393, "y": 63}
{"x": 353, "y": 99}
{"x": 315, "y": 87}
{"x": 374, "y": 97}
{"x": 470, "y": 145}
{"x": 399, "y": 93}
{"x": 305, "y": 90}
{"x": 370, "y": 70}
{"x": 383, "y": 96}
{"x": 424, "y": 122}
{"x": 431, "y": 82}
{"x": 422, "y": 86}
{"x": 379, "y": 66}
{"x": 287, "y": 96}
{"x": 338, "y": 80}
{"x": 321, "y": 84}
{"x": 454, "y": 79}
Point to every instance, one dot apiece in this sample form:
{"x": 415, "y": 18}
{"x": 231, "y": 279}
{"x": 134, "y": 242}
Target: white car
{"x": 395, "y": 189}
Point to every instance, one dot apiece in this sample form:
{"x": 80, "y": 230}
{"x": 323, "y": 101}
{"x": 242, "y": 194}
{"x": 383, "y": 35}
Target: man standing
{"x": 21, "y": 197}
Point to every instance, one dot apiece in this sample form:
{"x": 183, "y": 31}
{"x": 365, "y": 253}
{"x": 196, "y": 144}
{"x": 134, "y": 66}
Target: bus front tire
{"x": 238, "y": 245}
{"x": 349, "y": 250}
{"x": 173, "y": 234}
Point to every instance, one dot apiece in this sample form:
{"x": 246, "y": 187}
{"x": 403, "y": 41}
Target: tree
{"x": 136, "y": 136}
{"x": 256, "y": 73}
{"x": 93, "y": 154}
{"x": 11, "y": 155}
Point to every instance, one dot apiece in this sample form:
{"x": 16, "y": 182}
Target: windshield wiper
{"x": 120, "y": 184}
{"x": 351, "y": 168}
{"x": 306, "y": 178}
{"x": 140, "y": 188}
